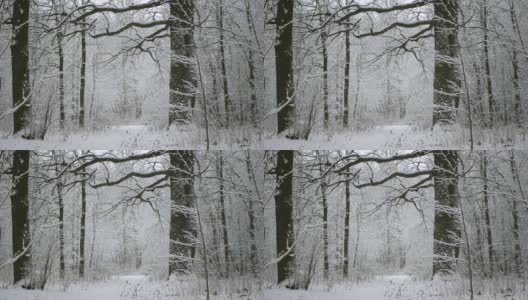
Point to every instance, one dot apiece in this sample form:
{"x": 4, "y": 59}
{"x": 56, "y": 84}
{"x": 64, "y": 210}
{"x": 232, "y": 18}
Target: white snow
{"x": 380, "y": 137}
{"x": 380, "y": 288}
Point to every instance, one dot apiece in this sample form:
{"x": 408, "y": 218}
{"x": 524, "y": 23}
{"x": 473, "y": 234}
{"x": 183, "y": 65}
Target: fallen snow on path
{"x": 139, "y": 287}
{"x": 192, "y": 138}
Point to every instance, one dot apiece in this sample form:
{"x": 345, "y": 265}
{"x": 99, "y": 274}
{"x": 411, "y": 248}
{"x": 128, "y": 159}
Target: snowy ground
{"x": 380, "y": 288}
{"x": 380, "y": 137}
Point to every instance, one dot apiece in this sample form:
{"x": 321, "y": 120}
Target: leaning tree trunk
{"x": 182, "y": 219}
{"x": 20, "y": 69}
{"x": 447, "y": 81}
{"x": 284, "y": 65}
{"x": 283, "y": 213}
{"x": 447, "y": 222}
{"x": 182, "y": 62}
{"x": 20, "y": 215}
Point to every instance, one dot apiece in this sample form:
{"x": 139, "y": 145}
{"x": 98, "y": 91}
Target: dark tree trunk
{"x": 182, "y": 71}
{"x": 446, "y": 75}
{"x": 82, "y": 85}
{"x": 251, "y": 217}
{"x": 61, "y": 223}
{"x": 447, "y": 221}
{"x": 227, "y": 103}
{"x": 61, "y": 79}
{"x": 517, "y": 103}
{"x": 254, "y": 107}
{"x": 325, "y": 220}
{"x": 283, "y": 213}
{"x": 346, "y": 90}
{"x": 83, "y": 226}
{"x": 20, "y": 69}
{"x": 517, "y": 251}
{"x": 347, "y": 229}
{"x": 20, "y": 215}
{"x": 487, "y": 68}
{"x": 182, "y": 220}
{"x": 220, "y": 171}
{"x": 284, "y": 65}
{"x": 485, "y": 193}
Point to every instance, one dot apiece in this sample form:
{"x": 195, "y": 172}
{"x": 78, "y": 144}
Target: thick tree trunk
{"x": 251, "y": 217}
{"x": 517, "y": 251}
{"x": 517, "y": 103}
{"x": 182, "y": 221}
{"x": 20, "y": 69}
{"x": 225, "y": 86}
{"x": 325, "y": 219}
{"x": 220, "y": 174}
{"x": 20, "y": 215}
{"x": 347, "y": 229}
{"x": 61, "y": 223}
{"x": 61, "y": 79}
{"x": 346, "y": 90}
{"x": 284, "y": 65}
{"x": 485, "y": 193}
{"x": 446, "y": 75}
{"x": 182, "y": 63}
{"x": 82, "y": 85}
{"x": 254, "y": 107}
{"x": 447, "y": 221}
{"x": 83, "y": 226}
{"x": 283, "y": 213}
{"x": 487, "y": 68}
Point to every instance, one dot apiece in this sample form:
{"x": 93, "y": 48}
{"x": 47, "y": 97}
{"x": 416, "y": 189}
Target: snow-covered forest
{"x": 278, "y": 74}
{"x": 251, "y": 189}
{"x": 263, "y": 224}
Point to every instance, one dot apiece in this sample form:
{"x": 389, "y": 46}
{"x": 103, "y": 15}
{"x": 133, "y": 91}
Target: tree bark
{"x": 220, "y": 171}
{"x": 83, "y": 226}
{"x": 251, "y": 217}
{"x": 485, "y": 193}
{"x": 61, "y": 78}
{"x": 347, "y": 228}
{"x": 82, "y": 86}
{"x": 447, "y": 230}
{"x": 517, "y": 103}
{"x": 20, "y": 69}
{"x": 447, "y": 81}
{"x": 182, "y": 220}
{"x": 284, "y": 65}
{"x": 283, "y": 213}
{"x": 20, "y": 215}
{"x": 517, "y": 252}
{"x": 346, "y": 90}
{"x": 182, "y": 62}
{"x": 487, "y": 68}
{"x": 225, "y": 86}
{"x": 61, "y": 223}
{"x": 325, "y": 219}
